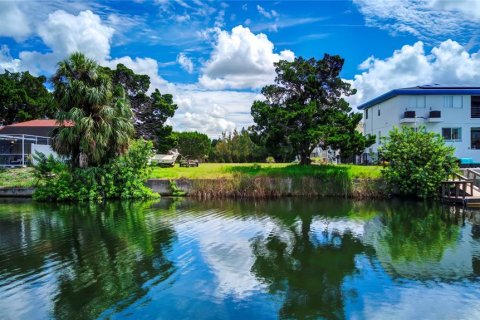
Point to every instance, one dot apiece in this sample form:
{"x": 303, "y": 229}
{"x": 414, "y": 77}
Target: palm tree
{"x": 95, "y": 119}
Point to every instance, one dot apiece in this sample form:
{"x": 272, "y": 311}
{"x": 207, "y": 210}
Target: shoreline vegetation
{"x": 219, "y": 180}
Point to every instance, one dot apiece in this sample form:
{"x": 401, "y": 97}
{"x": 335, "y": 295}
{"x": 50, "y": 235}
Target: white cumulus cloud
{"x": 14, "y": 22}
{"x": 241, "y": 59}
{"x": 7, "y": 62}
{"x": 146, "y": 66}
{"x": 211, "y": 111}
{"x": 447, "y": 63}
{"x": 65, "y": 33}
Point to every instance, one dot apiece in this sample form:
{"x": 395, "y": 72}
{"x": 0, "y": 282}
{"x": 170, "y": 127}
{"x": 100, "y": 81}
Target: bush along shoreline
{"x": 122, "y": 178}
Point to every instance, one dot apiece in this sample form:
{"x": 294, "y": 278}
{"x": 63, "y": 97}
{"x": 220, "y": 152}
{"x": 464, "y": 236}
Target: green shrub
{"x": 270, "y": 160}
{"x": 122, "y": 178}
{"x": 176, "y": 190}
{"x": 417, "y": 161}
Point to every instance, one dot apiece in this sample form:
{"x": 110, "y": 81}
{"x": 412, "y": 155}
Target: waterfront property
{"x": 451, "y": 111}
{"x": 20, "y": 140}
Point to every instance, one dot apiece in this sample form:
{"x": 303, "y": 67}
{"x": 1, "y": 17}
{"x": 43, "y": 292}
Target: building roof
{"x": 42, "y": 128}
{"x": 428, "y": 89}
{"x": 40, "y": 123}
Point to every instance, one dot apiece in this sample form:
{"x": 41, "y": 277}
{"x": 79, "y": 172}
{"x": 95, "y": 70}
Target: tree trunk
{"x": 305, "y": 158}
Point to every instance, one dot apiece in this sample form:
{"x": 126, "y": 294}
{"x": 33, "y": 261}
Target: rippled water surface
{"x": 290, "y": 258}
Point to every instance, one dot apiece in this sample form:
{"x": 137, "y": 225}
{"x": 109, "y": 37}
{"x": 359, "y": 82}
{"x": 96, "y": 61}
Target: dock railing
{"x": 473, "y": 174}
{"x": 457, "y": 187}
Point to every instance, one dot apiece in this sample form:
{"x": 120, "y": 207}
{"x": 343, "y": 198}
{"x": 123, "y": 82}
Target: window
{"x": 475, "y": 107}
{"x": 366, "y": 114}
{"x": 379, "y": 111}
{"x": 452, "y": 134}
{"x": 458, "y": 102}
{"x": 448, "y": 101}
{"x": 379, "y": 137}
{"x": 420, "y": 101}
{"x": 475, "y": 138}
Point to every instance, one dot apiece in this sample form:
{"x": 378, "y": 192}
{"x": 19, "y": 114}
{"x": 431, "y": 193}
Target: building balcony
{"x": 435, "y": 116}
{"x": 409, "y": 117}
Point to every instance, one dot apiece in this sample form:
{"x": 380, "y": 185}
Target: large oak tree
{"x": 24, "y": 97}
{"x": 305, "y": 108}
{"x": 150, "y": 112}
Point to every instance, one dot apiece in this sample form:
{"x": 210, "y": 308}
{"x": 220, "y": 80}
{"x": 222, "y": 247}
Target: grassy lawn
{"x": 222, "y": 170}
{"x": 23, "y": 177}
{"x": 19, "y": 177}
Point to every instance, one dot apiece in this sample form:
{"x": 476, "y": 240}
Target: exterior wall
{"x": 45, "y": 149}
{"x": 457, "y": 116}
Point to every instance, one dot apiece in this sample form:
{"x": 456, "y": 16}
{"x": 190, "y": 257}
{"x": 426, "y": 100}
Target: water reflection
{"x": 426, "y": 241}
{"x": 86, "y": 258}
{"x": 289, "y": 258}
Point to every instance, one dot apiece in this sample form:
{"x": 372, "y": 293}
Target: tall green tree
{"x": 151, "y": 118}
{"x": 346, "y": 136}
{"x": 193, "y": 144}
{"x": 237, "y": 147}
{"x": 304, "y": 104}
{"x": 96, "y": 117}
{"x": 150, "y": 112}
{"x": 24, "y": 97}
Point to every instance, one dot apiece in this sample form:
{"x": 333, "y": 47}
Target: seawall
{"x": 272, "y": 187}
{"x": 11, "y": 192}
{"x": 255, "y": 187}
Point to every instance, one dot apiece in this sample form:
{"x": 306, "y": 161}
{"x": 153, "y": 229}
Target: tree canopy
{"x": 305, "y": 108}
{"x": 237, "y": 147}
{"x": 96, "y": 117}
{"x": 193, "y": 144}
{"x": 150, "y": 112}
{"x": 24, "y": 97}
{"x": 151, "y": 118}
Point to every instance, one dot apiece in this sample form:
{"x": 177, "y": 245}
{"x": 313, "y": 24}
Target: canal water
{"x": 288, "y": 258}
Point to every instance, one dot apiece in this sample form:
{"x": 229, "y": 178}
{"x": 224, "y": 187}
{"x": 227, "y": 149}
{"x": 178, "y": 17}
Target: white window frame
{"x": 451, "y": 134}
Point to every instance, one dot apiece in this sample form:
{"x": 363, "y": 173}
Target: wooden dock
{"x": 462, "y": 189}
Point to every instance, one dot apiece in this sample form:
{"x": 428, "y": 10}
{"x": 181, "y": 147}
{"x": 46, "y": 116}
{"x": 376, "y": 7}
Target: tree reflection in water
{"x": 307, "y": 273}
{"x": 103, "y": 254}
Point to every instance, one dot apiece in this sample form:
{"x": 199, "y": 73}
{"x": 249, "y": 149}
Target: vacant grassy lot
{"x": 222, "y": 170}
{"x": 20, "y": 177}
{"x": 23, "y": 177}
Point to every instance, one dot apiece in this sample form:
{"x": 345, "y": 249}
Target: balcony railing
{"x": 435, "y": 116}
{"x": 408, "y": 117}
{"x": 409, "y": 114}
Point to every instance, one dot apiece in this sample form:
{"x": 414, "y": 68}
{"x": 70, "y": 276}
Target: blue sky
{"x": 215, "y": 56}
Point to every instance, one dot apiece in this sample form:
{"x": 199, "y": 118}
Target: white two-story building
{"x": 451, "y": 111}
